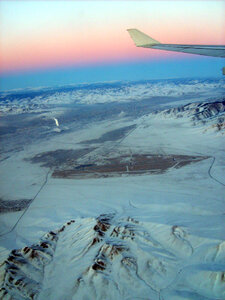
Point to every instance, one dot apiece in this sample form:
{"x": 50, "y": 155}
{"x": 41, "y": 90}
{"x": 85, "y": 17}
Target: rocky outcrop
{"x": 109, "y": 257}
{"x": 209, "y": 113}
{"x": 22, "y": 273}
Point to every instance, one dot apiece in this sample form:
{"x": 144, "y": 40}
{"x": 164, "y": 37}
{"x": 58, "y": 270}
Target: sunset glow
{"x": 38, "y": 35}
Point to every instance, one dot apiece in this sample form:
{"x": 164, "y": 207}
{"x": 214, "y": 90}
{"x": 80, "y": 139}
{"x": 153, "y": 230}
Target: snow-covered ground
{"x": 155, "y": 236}
{"x": 121, "y": 92}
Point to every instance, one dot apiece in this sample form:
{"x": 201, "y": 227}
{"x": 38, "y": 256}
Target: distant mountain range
{"x": 32, "y": 100}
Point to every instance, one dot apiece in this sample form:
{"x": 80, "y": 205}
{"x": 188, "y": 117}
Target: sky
{"x": 49, "y": 43}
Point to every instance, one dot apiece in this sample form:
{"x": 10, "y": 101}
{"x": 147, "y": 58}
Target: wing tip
{"x": 141, "y": 39}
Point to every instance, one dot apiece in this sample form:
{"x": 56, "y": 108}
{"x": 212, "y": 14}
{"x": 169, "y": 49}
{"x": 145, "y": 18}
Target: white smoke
{"x": 56, "y": 122}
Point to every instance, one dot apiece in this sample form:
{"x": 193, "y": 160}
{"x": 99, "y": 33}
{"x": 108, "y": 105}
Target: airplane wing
{"x": 143, "y": 40}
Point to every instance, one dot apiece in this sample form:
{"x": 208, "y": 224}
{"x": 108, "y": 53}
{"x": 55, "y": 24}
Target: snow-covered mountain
{"x": 36, "y": 100}
{"x": 108, "y": 258}
{"x": 207, "y": 113}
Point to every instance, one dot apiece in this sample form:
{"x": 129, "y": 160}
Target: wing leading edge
{"x": 143, "y": 40}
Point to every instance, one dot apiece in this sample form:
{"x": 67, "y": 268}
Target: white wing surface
{"x": 143, "y": 40}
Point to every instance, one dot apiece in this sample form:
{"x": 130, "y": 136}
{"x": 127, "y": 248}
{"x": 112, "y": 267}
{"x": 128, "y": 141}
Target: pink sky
{"x": 40, "y": 39}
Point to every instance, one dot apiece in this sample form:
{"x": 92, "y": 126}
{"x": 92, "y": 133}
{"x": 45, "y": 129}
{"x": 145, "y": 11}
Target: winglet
{"x": 141, "y": 39}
